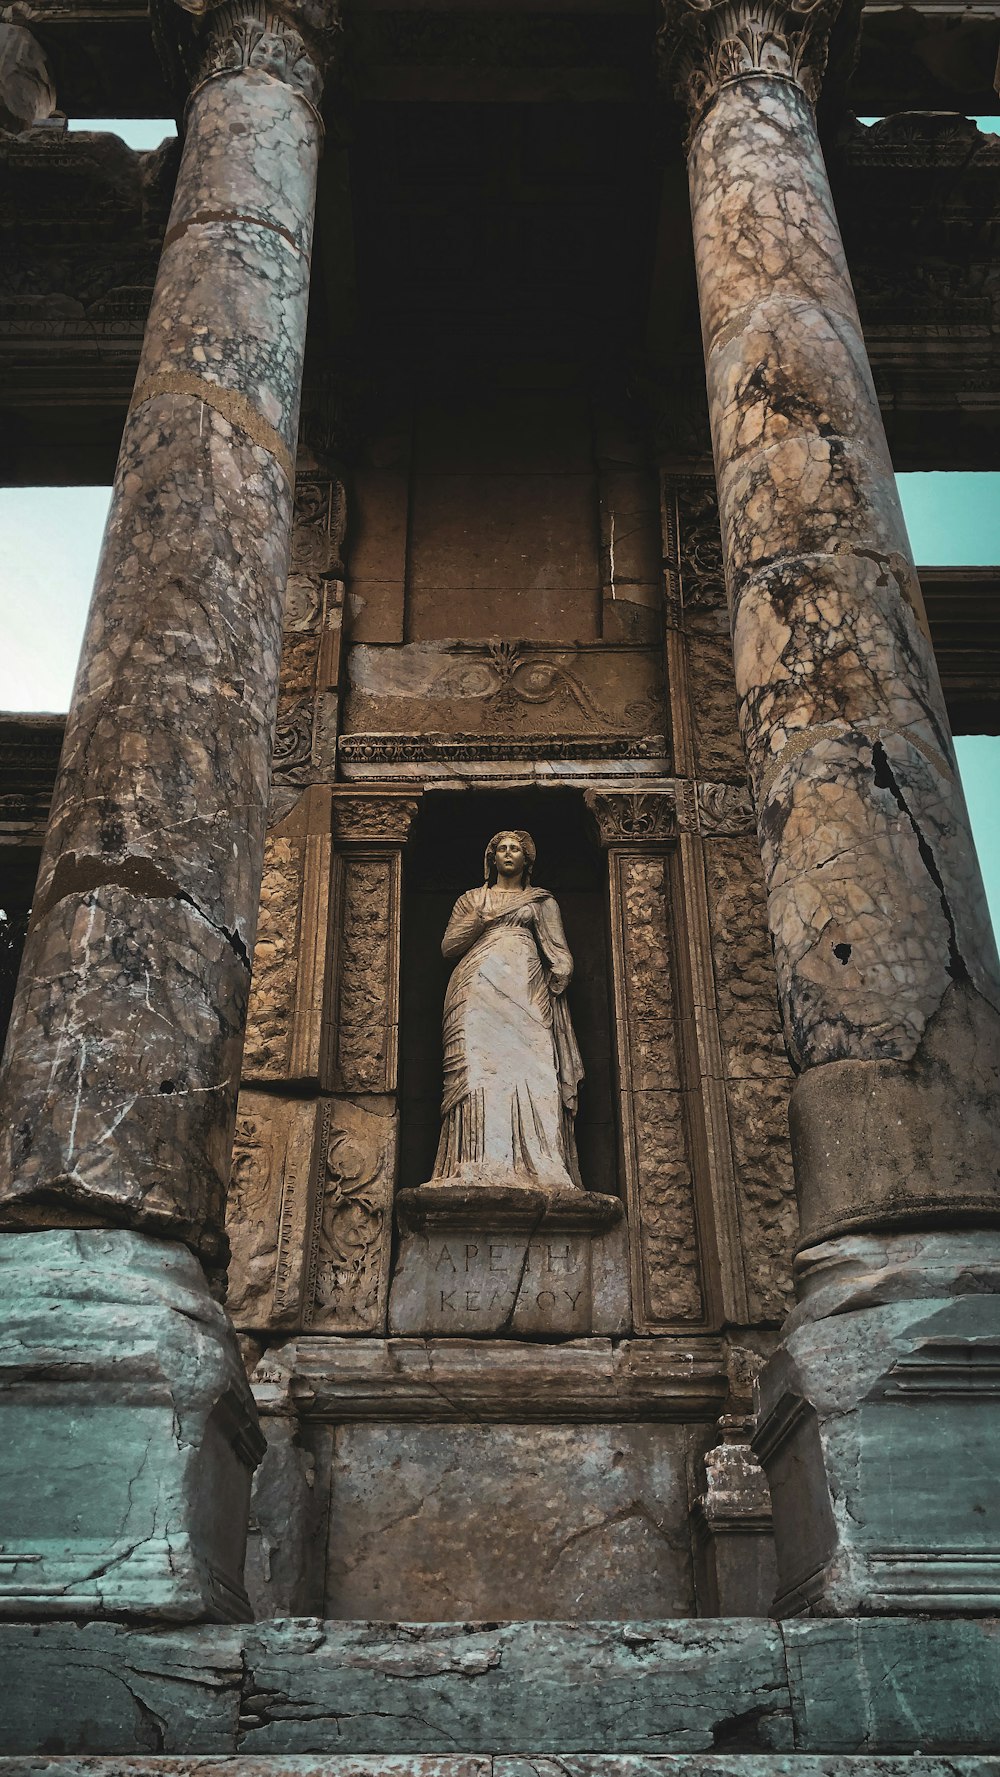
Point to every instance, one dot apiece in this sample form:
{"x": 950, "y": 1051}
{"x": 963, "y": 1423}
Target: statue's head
{"x": 507, "y": 840}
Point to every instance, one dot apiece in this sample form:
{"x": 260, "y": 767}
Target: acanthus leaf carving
{"x": 293, "y": 42}
{"x": 630, "y": 817}
{"x": 705, "y": 45}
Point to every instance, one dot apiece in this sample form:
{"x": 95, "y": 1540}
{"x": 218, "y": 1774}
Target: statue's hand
{"x": 558, "y": 982}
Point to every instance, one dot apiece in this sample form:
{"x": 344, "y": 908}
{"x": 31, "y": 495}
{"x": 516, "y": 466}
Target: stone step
{"x": 438, "y": 1695}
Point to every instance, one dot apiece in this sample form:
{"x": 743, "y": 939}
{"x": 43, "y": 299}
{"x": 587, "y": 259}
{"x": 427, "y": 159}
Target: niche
{"x": 445, "y": 858}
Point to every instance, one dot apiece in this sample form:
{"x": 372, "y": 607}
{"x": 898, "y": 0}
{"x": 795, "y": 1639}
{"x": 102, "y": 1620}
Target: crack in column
{"x": 885, "y": 779}
{"x": 138, "y": 876}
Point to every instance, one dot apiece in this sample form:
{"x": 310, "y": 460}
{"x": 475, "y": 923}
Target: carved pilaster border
{"x": 305, "y": 742}
{"x": 287, "y": 1014}
{"x": 692, "y": 551}
{"x": 639, "y": 830}
{"x": 370, "y": 828}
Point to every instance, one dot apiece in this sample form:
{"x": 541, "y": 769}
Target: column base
{"x": 879, "y": 1425}
{"x": 128, "y": 1434}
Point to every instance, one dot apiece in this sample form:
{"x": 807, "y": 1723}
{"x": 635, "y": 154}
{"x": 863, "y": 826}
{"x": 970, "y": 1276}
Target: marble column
{"x": 887, "y": 970}
{"x": 120, "y": 1075}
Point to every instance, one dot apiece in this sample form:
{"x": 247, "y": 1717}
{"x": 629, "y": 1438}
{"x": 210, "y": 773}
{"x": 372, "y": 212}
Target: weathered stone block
{"x": 128, "y": 1433}
{"x": 894, "y": 1684}
{"x": 682, "y": 1699}
{"x": 878, "y": 1430}
{"x": 668, "y": 1764}
{"x": 560, "y": 1687}
{"x": 106, "y": 1688}
{"x": 472, "y": 1522}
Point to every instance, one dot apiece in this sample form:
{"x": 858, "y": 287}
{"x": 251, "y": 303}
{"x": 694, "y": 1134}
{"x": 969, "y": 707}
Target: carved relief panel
{"x": 703, "y": 687}
{"x": 305, "y": 740}
{"x": 370, "y": 829}
{"x": 288, "y": 1018}
{"x": 310, "y": 1205}
{"x": 745, "y": 1075}
{"x": 310, "y": 1214}
{"x": 639, "y": 829}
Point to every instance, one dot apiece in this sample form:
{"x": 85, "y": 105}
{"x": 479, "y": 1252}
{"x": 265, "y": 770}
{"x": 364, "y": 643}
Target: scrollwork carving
{"x": 348, "y": 1263}
{"x": 504, "y": 675}
{"x": 293, "y": 736}
{"x": 659, "y": 1179}
{"x": 367, "y": 973}
{"x": 725, "y": 808}
{"x": 319, "y": 526}
{"x": 705, "y": 45}
{"x": 701, "y": 543}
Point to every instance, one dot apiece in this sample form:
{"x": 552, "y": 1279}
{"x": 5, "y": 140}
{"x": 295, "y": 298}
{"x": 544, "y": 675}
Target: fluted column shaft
{"x": 882, "y": 941}
{"x": 119, "y": 1085}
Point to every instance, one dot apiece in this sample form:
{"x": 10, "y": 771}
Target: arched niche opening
{"x": 445, "y": 857}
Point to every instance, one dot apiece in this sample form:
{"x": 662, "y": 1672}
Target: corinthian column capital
{"x": 293, "y": 41}
{"x": 705, "y": 45}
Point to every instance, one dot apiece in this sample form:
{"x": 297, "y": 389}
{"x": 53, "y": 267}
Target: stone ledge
{"x": 790, "y": 1764}
{"x": 501, "y": 1381}
{"x": 302, "y": 1686}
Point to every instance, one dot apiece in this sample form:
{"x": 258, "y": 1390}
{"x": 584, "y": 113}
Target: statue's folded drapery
{"x": 511, "y": 1063}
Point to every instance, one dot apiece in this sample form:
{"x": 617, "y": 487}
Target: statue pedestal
{"x": 492, "y": 1260}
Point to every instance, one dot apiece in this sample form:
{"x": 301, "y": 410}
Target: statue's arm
{"x": 464, "y": 926}
{"x": 553, "y": 945}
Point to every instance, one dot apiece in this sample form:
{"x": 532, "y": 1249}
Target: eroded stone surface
{"x": 127, "y": 1431}
{"x": 119, "y": 1091}
{"x": 576, "y": 1693}
{"x": 875, "y": 901}
{"x": 862, "y": 1413}
{"x": 446, "y": 1523}
{"x": 573, "y": 1765}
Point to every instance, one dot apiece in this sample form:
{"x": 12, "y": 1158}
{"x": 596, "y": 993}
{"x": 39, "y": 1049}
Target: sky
{"x": 50, "y": 538}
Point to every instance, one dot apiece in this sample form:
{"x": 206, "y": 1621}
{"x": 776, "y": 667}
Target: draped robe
{"x": 512, "y": 1067}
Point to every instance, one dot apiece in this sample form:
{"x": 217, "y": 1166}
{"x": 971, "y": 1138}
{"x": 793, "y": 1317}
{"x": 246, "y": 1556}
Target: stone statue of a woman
{"x": 511, "y": 1063}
